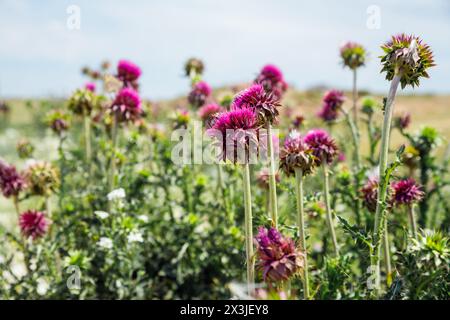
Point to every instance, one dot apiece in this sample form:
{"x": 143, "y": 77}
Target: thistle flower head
{"x": 296, "y": 154}
{"x": 199, "y": 94}
{"x": 278, "y": 258}
{"x": 406, "y": 192}
{"x": 332, "y": 101}
{"x": 42, "y": 178}
{"x": 58, "y": 121}
{"x": 90, "y": 86}
{"x": 24, "y": 148}
{"x": 208, "y": 111}
{"x": 264, "y": 104}
{"x": 272, "y": 80}
{"x": 11, "y": 182}
{"x": 234, "y": 131}
{"x": 262, "y": 178}
{"x": 369, "y": 193}
{"x": 82, "y": 102}
{"x": 127, "y": 105}
{"x": 181, "y": 118}
{"x": 193, "y": 66}
{"x": 407, "y": 56}
{"x": 33, "y": 224}
{"x": 353, "y": 55}
{"x": 127, "y": 71}
{"x": 402, "y": 122}
{"x": 323, "y": 147}
{"x": 298, "y": 121}
{"x": 368, "y": 105}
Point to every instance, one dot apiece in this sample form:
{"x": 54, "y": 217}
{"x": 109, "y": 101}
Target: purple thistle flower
{"x": 298, "y": 121}
{"x": 235, "y": 130}
{"x": 90, "y": 86}
{"x": 323, "y": 147}
{"x": 264, "y": 104}
{"x": 369, "y": 193}
{"x": 296, "y": 154}
{"x": 402, "y": 122}
{"x": 11, "y": 182}
{"x": 341, "y": 157}
{"x": 127, "y": 71}
{"x": 208, "y": 111}
{"x": 332, "y": 101}
{"x": 127, "y": 105}
{"x": 406, "y": 192}
{"x": 272, "y": 80}
{"x": 278, "y": 257}
{"x": 33, "y": 224}
{"x": 199, "y": 94}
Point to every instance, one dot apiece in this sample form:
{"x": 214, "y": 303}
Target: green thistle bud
{"x": 369, "y": 105}
{"x": 24, "y": 149}
{"x": 407, "y": 56}
{"x": 353, "y": 55}
{"x": 82, "y": 102}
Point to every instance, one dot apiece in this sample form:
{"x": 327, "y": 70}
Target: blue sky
{"x": 40, "y": 56}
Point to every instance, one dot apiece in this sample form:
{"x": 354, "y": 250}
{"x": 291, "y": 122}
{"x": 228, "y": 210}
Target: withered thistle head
{"x": 407, "y": 56}
{"x": 402, "y": 122}
{"x": 42, "y": 178}
{"x": 296, "y": 154}
{"x": 193, "y": 66}
{"x": 82, "y": 102}
{"x": 263, "y": 176}
{"x": 353, "y": 55}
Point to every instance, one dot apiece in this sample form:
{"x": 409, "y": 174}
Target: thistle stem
{"x": 387, "y": 254}
{"x": 16, "y": 205}
{"x": 328, "y": 207}
{"x": 382, "y": 191}
{"x": 112, "y": 165}
{"x": 87, "y": 138}
{"x": 272, "y": 182}
{"x": 301, "y": 228}
{"x": 248, "y": 229}
{"x": 412, "y": 220}
{"x": 355, "y": 99}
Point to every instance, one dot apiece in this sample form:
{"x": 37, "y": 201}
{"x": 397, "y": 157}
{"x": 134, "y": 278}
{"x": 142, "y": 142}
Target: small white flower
{"x": 101, "y": 214}
{"x": 42, "y": 286}
{"x": 105, "y": 243}
{"x": 135, "y": 236}
{"x": 117, "y": 194}
{"x": 143, "y": 218}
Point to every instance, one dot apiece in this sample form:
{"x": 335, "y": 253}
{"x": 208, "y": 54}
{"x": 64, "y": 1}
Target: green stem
{"x": 272, "y": 182}
{"x": 87, "y": 139}
{"x": 387, "y": 254}
{"x": 16, "y": 205}
{"x": 328, "y": 208}
{"x": 355, "y": 99}
{"x": 301, "y": 228}
{"x": 112, "y": 165}
{"x": 248, "y": 229}
{"x": 412, "y": 220}
{"x": 382, "y": 191}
